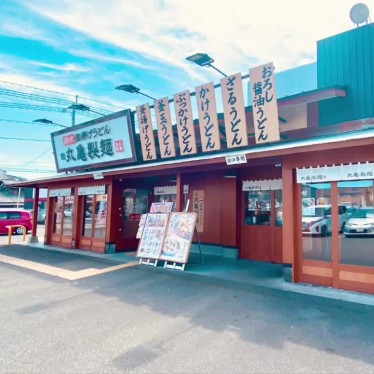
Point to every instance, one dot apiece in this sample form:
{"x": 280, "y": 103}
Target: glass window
{"x": 316, "y": 221}
{"x": 136, "y": 202}
{"x": 357, "y": 238}
{"x": 57, "y": 216}
{"x": 167, "y": 199}
{"x": 14, "y": 215}
{"x": 278, "y": 205}
{"x": 258, "y": 208}
{"x": 87, "y": 219}
{"x": 100, "y": 216}
{"x": 67, "y": 227}
{"x": 3, "y": 215}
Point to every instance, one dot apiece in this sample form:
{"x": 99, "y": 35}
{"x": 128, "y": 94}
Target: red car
{"x": 15, "y": 216}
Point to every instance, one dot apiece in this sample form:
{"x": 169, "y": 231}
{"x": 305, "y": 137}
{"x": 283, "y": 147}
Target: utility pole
{"x": 73, "y": 112}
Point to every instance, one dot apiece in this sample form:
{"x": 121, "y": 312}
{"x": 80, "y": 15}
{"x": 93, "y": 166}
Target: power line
{"x": 37, "y": 157}
{"x": 28, "y": 123}
{"x": 23, "y": 170}
{"x": 29, "y": 140}
{"x": 61, "y": 93}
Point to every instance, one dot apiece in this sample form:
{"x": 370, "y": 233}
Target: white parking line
{"x": 60, "y": 272}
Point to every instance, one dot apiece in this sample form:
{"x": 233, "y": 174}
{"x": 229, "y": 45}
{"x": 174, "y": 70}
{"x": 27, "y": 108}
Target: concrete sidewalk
{"x": 244, "y": 274}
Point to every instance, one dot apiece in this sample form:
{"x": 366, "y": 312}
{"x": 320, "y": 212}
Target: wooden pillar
{"x": 34, "y": 238}
{"x": 180, "y": 197}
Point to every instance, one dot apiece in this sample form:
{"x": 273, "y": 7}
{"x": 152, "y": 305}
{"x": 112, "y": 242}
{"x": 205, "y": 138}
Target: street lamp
{"x": 202, "y": 59}
{"x": 48, "y": 122}
{"x": 132, "y": 89}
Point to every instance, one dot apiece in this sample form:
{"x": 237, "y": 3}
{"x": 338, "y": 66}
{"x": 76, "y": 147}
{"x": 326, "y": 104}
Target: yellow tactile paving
{"x": 59, "y": 272}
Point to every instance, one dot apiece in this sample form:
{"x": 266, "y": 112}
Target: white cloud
{"x": 240, "y": 32}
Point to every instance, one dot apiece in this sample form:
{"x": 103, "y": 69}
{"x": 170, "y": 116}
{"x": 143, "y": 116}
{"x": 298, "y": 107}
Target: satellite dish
{"x": 359, "y": 13}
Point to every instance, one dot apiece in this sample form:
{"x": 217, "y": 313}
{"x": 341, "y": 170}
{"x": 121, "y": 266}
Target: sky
{"x": 53, "y": 53}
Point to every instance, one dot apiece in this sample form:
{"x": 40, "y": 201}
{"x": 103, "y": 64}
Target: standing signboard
{"x": 153, "y": 235}
{"x": 178, "y": 237}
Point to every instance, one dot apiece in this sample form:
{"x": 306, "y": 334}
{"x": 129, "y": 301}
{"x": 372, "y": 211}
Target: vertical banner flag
{"x": 164, "y": 128}
{"x": 233, "y": 107}
{"x": 186, "y": 131}
{"x": 265, "y": 107}
{"x": 147, "y": 139}
{"x": 208, "y": 118}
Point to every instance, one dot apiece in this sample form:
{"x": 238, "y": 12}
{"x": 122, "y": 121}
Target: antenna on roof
{"x": 359, "y": 14}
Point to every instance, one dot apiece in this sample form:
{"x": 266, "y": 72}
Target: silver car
{"x": 361, "y": 222}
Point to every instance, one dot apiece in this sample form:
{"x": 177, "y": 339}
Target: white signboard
{"x": 263, "y": 185}
{"x": 59, "y": 192}
{"x": 208, "y": 118}
{"x": 147, "y": 138}
{"x": 165, "y": 190}
{"x": 107, "y": 142}
{"x": 335, "y": 173}
{"x": 233, "y": 107}
{"x": 236, "y": 159}
{"x": 265, "y": 107}
{"x": 164, "y": 128}
{"x": 91, "y": 190}
{"x": 186, "y": 130}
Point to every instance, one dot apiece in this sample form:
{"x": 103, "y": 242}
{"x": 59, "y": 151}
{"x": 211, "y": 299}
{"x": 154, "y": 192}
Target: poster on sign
{"x": 142, "y": 220}
{"x": 165, "y": 207}
{"x": 178, "y": 237}
{"x": 152, "y": 238}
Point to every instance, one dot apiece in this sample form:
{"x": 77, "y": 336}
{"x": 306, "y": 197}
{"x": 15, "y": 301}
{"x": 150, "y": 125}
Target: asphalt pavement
{"x": 149, "y": 320}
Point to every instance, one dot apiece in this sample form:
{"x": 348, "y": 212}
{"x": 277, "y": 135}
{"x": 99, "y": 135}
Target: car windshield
{"x": 363, "y": 213}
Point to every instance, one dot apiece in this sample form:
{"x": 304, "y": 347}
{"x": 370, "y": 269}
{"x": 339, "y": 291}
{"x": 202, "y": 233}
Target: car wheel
{"x": 324, "y": 231}
{"x": 19, "y": 230}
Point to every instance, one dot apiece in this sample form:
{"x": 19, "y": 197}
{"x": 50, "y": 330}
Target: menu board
{"x": 142, "y": 220}
{"x": 152, "y": 238}
{"x": 178, "y": 237}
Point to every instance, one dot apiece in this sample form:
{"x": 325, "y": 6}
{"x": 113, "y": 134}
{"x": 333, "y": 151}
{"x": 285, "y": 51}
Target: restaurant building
{"x": 295, "y": 190}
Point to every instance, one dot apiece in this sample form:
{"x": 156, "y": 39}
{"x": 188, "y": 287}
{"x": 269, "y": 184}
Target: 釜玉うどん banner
{"x": 107, "y": 141}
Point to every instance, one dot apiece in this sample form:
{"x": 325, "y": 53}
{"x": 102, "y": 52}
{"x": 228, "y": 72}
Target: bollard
{"x": 10, "y": 229}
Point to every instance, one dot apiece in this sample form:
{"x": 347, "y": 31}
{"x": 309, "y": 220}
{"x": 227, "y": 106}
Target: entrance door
{"x": 62, "y": 225}
{"x": 135, "y": 203}
{"x": 261, "y": 230}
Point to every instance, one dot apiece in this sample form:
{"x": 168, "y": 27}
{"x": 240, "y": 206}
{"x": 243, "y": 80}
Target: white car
{"x": 360, "y": 223}
{"x": 317, "y": 219}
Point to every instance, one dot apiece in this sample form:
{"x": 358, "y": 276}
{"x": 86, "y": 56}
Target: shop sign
{"x": 186, "y": 131}
{"x": 135, "y": 216}
{"x": 59, "y": 192}
{"x": 208, "y": 118}
{"x": 91, "y": 190}
{"x": 105, "y": 142}
{"x": 164, "y": 128}
{"x": 147, "y": 138}
{"x": 236, "y": 159}
{"x": 265, "y": 107}
{"x": 165, "y": 190}
{"x": 233, "y": 107}
{"x": 262, "y": 185}
{"x": 335, "y": 173}
{"x": 98, "y": 175}
{"x": 198, "y": 208}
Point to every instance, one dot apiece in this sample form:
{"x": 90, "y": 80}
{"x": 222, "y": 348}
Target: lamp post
{"x": 203, "y": 59}
{"x": 132, "y": 89}
{"x": 48, "y": 122}
{"x": 81, "y": 107}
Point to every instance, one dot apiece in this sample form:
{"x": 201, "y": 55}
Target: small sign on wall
{"x": 198, "y": 208}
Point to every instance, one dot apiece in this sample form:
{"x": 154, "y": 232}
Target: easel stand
{"x": 148, "y": 261}
{"x": 198, "y": 242}
{"x": 174, "y": 265}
